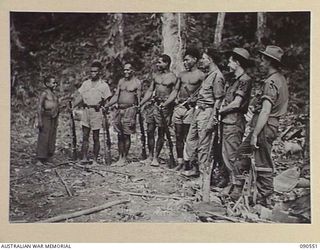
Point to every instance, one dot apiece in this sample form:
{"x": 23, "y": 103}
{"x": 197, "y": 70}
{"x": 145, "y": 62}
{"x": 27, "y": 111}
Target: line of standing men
{"x": 195, "y": 101}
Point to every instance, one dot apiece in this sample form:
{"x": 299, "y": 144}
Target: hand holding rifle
{"x": 73, "y": 132}
{"x": 106, "y": 139}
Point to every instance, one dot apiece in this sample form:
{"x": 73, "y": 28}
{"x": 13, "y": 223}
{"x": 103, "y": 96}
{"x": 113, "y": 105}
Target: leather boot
{"x": 237, "y": 187}
{"x": 221, "y": 177}
{"x": 191, "y": 171}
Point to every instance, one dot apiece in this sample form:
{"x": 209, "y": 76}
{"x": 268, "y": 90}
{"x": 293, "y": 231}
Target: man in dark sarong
{"x": 48, "y": 112}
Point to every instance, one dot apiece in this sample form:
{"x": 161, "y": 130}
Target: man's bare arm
{"x": 261, "y": 122}
{"x": 77, "y": 99}
{"x": 173, "y": 95}
{"x": 41, "y": 103}
{"x": 232, "y": 105}
{"x": 148, "y": 94}
{"x": 114, "y": 99}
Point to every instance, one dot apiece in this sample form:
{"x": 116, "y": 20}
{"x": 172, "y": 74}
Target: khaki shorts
{"x": 125, "y": 120}
{"x": 182, "y": 115}
{"x": 91, "y": 118}
{"x": 152, "y": 115}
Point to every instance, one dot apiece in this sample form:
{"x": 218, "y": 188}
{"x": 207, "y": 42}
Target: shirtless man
{"x": 127, "y": 98}
{"x": 48, "y": 112}
{"x": 184, "y": 93}
{"x": 160, "y": 89}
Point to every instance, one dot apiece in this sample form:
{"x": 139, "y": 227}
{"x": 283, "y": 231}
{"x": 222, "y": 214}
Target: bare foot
{"x": 120, "y": 162}
{"x": 84, "y": 162}
{"x": 148, "y": 160}
{"x": 40, "y": 163}
{"x": 155, "y": 163}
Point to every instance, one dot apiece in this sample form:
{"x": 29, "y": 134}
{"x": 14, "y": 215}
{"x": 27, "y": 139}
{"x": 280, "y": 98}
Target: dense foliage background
{"x": 65, "y": 44}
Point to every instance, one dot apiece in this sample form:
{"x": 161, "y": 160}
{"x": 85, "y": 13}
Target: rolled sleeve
{"x": 218, "y": 88}
{"x": 270, "y": 92}
{"x": 243, "y": 89}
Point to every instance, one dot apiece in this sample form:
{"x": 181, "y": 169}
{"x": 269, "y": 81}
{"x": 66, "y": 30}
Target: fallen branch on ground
{"x": 89, "y": 170}
{"x": 83, "y": 212}
{"x": 151, "y": 195}
{"x": 64, "y": 183}
{"x": 63, "y": 163}
{"x": 219, "y": 216}
{"x": 117, "y": 172}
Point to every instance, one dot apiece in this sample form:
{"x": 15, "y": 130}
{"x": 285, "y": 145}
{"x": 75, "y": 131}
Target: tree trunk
{"x": 118, "y": 39}
{"x": 15, "y": 37}
{"x": 173, "y": 29}
{"x": 219, "y": 29}
{"x": 261, "y": 25}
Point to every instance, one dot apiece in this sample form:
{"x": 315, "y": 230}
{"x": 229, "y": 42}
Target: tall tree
{"x": 173, "y": 38}
{"x": 118, "y": 36}
{"x": 219, "y": 29}
{"x": 15, "y": 37}
{"x": 261, "y": 25}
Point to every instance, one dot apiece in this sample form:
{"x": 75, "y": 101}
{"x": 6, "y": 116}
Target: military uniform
{"x": 234, "y": 122}
{"x": 212, "y": 88}
{"x": 91, "y": 95}
{"x": 182, "y": 114}
{"x": 275, "y": 90}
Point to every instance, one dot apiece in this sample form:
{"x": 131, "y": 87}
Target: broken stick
{"x": 219, "y": 216}
{"x": 83, "y": 212}
{"x": 151, "y": 195}
{"x": 64, "y": 183}
{"x": 88, "y": 170}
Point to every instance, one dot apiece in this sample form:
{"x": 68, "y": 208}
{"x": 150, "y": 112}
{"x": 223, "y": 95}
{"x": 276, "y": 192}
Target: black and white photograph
{"x": 160, "y": 117}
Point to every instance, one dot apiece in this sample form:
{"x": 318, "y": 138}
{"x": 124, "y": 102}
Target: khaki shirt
{"x": 240, "y": 86}
{"x": 212, "y": 88}
{"x": 275, "y": 90}
{"x": 92, "y": 95}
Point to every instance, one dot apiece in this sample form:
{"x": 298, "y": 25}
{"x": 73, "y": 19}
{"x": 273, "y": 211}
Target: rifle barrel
{"x": 73, "y": 131}
{"x": 143, "y": 136}
{"x": 167, "y": 132}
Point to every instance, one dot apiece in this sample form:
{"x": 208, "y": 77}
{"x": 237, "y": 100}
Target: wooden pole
{"x": 151, "y": 195}
{"x": 83, "y": 212}
{"x": 64, "y": 183}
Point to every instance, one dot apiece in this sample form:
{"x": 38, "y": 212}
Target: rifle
{"x": 249, "y": 188}
{"x": 215, "y": 159}
{"x": 167, "y": 132}
{"x": 190, "y": 96}
{"x": 143, "y": 136}
{"x": 73, "y": 132}
{"x": 106, "y": 141}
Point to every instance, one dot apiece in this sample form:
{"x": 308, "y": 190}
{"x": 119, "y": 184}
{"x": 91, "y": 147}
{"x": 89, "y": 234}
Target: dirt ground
{"x": 149, "y": 194}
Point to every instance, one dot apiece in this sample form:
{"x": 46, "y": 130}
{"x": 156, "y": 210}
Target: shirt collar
{"x": 268, "y": 76}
